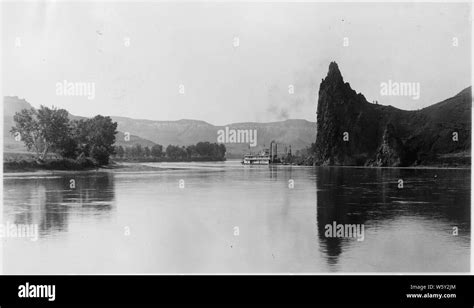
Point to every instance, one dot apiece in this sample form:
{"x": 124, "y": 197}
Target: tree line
{"x": 47, "y": 130}
{"x": 199, "y": 151}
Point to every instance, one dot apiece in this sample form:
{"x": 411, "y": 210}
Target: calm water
{"x": 143, "y": 222}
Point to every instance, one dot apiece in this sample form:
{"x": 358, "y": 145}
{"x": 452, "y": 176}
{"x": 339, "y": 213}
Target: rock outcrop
{"x": 390, "y": 152}
{"x": 352, "y": 131}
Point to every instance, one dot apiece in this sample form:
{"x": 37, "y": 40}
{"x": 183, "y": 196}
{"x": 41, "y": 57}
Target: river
{"x": 222, "y": 217}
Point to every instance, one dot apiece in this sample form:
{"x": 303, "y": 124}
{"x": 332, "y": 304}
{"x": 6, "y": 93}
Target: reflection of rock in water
{"x": 372, "y": 197}
{"x": 333, "y": 205}
{"x": 48, "y": 202}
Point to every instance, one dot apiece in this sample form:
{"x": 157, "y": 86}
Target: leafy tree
{"x": 44, "y": 130}
{"x": 128, "y": 152}
{"x": 222, "y": 150}
{"x": 119, "y": 151}
{"x": 102, "y": 132}
{"x": 203, "y": 148}
{"x": 146, "y": 151}
{"x": 137, "y": 151}
{"x": 95, "y": 137}
{"x": 100, "y": 154}
{"x": 211, "y": 150}
{"x": 157, "y": 150}
{"x": 80, "y": 133}
{"x": 68, "y": 148}
{"x": 191, "y": 151}
{"x": 175, "y": 152}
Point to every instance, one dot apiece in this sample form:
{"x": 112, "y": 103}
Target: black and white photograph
{"x": 235, "y": 137}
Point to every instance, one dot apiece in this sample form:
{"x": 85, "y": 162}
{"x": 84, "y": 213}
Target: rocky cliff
{"x": 352, "y": 131}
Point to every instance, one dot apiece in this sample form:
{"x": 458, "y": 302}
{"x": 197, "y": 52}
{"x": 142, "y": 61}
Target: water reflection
{"x": 439, "y": 199}
{"x": 48, "y": 201}
{"x": 191, "y": 229}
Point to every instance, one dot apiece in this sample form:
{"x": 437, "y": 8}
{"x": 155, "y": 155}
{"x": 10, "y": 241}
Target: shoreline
{"x": 467, "y": 167}
{"x": 111, "y": 168}
{"x": 29, "y": 165}
{"x": 122, "y": 166}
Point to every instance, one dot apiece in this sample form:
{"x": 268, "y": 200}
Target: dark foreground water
{"x": 231, "y": 218}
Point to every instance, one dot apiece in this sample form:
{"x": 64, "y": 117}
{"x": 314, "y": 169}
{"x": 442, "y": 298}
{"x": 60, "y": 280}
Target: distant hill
{"x": 297, "y": 133}
{"x": 11, "y": 105}
{"x": 386, "y": 136}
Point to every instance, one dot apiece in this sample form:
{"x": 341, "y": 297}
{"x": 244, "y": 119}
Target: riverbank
{"x": 26, "y": 162}
{"x": 29, "y": 165}
{"x": 29, "y": 168}
{"x": 167, "y": 159}
{"x": 25, "y": 165}
{"x": 459, "y": 160}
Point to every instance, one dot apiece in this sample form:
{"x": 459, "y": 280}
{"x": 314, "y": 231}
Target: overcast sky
{"x": 193, "y": 44}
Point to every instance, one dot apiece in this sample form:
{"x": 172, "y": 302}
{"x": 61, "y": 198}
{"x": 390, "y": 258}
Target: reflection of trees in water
{"x": 48, "y": 202}
{"x": 356, "y": 196}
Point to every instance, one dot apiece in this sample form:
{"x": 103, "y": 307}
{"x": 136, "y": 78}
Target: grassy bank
{"x": 24, "y": 162}
{"x": 57, "y": 164}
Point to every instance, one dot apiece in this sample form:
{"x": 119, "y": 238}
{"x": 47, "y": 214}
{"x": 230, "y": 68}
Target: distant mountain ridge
{"x": 352, "y": 131}
{"x": 297, "y": 133}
